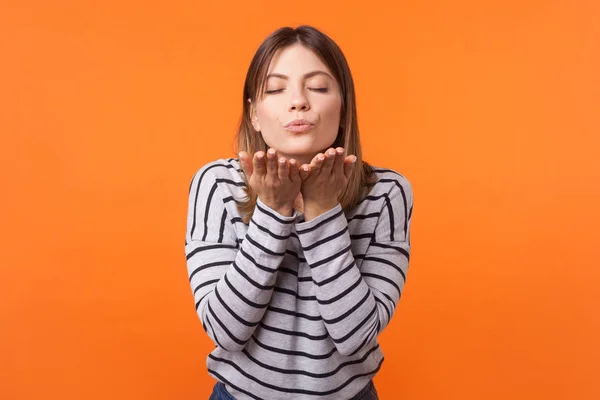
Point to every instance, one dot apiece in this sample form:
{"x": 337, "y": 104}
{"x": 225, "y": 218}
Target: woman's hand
{"x": 324, "y": 180}
{"x": 276, "y": 182}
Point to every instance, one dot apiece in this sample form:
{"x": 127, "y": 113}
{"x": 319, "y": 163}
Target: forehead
{"x": 295, "y": 60}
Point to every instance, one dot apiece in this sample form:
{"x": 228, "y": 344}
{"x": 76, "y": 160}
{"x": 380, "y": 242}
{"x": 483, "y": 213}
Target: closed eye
{"x": 320, "y": 90}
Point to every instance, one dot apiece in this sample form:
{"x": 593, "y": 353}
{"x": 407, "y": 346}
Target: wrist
{"x": 286, "y": 210}
{"x": 313, "y": 210}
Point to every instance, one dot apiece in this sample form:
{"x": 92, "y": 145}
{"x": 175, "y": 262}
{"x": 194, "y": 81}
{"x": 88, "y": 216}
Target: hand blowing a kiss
{"x": 314, "y": 187}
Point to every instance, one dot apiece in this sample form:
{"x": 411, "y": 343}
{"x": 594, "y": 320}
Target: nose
{"x": 299, "y": 102}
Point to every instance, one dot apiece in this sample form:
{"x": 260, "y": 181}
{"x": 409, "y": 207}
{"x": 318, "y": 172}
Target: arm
{"x": 357, "y": 304}
{"x": 232, "y": 284}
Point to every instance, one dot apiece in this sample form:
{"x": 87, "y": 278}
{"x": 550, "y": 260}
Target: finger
{"x": 349, "y": 164}
{"x": 338, "y": 163}
{"x": 316, "y": 164}
{"x": 272, "y": 163}
{"x": 284, "y": 169}
{"x": 327, "y": 166}
{"x": 246, "y": 166}
{"x": 305, "y": 171}
{"x": 259, "y": 163}
{"x": 294, "y": 173}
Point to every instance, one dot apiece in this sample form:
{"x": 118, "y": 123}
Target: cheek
{"x": 268, "y": 113}
{"x": 331, "y": 110}
{"x": 262, "y": 116}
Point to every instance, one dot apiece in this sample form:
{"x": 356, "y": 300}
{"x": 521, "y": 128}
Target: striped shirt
{"x": 294, "y": 308}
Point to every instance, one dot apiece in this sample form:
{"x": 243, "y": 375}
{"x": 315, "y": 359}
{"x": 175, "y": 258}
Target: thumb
{"x": 294, "y": 173}
{"x": 305, "y": 171}
{"x": 349, "y": 164}
{"x": 246, "y": 166}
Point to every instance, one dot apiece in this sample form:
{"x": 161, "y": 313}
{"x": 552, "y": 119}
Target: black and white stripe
{"x": 295, "y": 307}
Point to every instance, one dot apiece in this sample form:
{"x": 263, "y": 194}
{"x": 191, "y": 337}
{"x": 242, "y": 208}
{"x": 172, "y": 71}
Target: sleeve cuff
{"x": 267, "y": 212}
{"x": 268, "y": 231}
{"x": 324, "y": 238}
{"x": 325, "y": 227}
{"x": 332, "y": 214}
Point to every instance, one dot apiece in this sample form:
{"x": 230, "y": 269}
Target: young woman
{"x": 297, "y": 251}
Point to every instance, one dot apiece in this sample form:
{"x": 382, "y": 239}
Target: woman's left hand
{"x": 323, "y": 181}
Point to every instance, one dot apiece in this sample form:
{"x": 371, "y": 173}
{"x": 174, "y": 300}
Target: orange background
{"x": 491, "y": 109}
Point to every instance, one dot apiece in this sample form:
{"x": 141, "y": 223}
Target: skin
{"x": 297, "y": 170}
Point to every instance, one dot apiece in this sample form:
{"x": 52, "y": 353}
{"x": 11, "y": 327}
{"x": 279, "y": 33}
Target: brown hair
{"x": 362, "y": 176}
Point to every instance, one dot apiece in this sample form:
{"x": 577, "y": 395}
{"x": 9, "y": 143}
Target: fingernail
{"x": 282, "y": 161}
{"x": 354, "y": 158}
{"x": 305, "y": 168}
{"x": 320, "y": 158}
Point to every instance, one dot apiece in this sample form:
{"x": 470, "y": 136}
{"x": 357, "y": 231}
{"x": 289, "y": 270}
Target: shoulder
{"x": 389, "y": 179}
{"x": 391, "y": 186}
{"x": 222, "y": 170}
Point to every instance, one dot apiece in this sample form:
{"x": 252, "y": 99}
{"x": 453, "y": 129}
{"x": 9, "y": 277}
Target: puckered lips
{"x": 299, "y": 125}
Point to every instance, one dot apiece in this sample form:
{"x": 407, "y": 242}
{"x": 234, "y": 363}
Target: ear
{"x": 254, "y": 117}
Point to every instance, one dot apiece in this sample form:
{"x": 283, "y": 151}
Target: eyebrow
{"x": 305, "y": 76}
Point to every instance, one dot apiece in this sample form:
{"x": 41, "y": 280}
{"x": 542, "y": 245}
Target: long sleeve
{"x": 357, "y": 304}
{"x": 232, "y": 283}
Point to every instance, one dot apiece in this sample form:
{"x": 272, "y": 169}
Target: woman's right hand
{"x": 276, "y": 183}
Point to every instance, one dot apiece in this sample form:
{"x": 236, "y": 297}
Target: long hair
{"x": 362, "y": 177}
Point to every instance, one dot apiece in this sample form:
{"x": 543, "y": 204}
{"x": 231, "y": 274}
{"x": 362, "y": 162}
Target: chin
{"x": 300, "y": 151}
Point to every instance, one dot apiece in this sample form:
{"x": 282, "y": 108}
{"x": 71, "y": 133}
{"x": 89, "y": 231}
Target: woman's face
{"x": 298, "y": 87}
